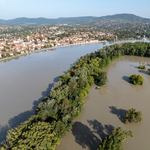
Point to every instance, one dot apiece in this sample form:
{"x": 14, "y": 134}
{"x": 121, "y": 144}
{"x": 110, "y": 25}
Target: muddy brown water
{"x": 24, "y": 82}
{"x": 105, "y": 109}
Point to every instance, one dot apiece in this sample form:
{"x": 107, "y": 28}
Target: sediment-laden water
{"x": 26, "y": 81}
{"x": 105, "y": 109}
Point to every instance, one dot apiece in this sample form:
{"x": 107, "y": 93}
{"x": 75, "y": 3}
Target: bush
{"x": 90, "y": 80}
{"x": 102, "y": 79}
{"x": 97, "y": 88}
{"x": 133, "y": 116}
{"x": 115, "y": 141}
{"x": 136, "y": 79}
{"x": 142, "y": 67}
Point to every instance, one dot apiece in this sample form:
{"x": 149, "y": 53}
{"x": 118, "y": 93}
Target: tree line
{"x": 56, "y": 112}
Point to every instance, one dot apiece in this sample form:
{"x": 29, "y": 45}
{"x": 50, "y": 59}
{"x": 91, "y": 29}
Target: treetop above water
{"x": 66, "y": 98}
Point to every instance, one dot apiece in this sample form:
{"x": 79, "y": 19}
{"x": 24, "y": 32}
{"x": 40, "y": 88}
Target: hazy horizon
{"x": 74, "y": 16}
{"x": 57, "y": 9}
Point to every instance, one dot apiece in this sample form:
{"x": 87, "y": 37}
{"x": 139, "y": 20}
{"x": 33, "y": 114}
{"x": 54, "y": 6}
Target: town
{"x": 16, "y": 40}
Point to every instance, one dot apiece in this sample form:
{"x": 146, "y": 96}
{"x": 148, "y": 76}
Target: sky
{"x": 10, "y": 9}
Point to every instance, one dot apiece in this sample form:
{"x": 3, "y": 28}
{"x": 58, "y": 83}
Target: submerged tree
{"x": 102, "y": 79}
{"x": 136, "y": 79}
{"x": 115, "y": 141}
{"x": 142, "y": 67}
{"x": 133, "y": 116}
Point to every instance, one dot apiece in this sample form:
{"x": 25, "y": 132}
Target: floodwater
{"x": 24, "y": 82}
{"x": 105, "y": 109}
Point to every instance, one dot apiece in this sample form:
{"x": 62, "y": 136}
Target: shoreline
{"x": 46, "y": 49}
{"x": 53, "y": 48}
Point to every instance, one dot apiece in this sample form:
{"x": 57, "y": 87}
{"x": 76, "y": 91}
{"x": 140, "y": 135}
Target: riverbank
{"x": 105, "y": 108}
{"x": 53, "y": 48}
{"x": 32, "y": 75}
{"x": 47, "y": 49}
{"x": 45, "y": 73}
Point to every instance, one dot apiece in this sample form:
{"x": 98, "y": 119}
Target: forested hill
{"x": 125, "y": 17}
{"x": 38, "y": 21}
{"x": 75, "y": 20}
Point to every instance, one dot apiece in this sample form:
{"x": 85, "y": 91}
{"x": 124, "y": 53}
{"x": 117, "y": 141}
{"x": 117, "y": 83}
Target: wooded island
{"x": 56, "y": 112}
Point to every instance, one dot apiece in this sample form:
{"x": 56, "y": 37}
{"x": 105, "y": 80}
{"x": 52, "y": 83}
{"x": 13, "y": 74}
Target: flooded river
{"x": 105, "y": 109}
{"x": 26, "y": 81}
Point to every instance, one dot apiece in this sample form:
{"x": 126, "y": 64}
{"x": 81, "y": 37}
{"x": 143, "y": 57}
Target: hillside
{"x": 74, "y": 20}
{"x": 126, "y": 17}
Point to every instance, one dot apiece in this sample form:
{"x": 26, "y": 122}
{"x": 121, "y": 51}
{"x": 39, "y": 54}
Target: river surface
{"x": 26, "y": 81}
{"x": 105, "y": 109}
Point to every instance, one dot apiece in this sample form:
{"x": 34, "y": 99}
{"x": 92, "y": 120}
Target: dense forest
{"x": 56, "y": 112}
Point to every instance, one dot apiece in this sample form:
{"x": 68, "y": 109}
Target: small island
{"x": 142, "y": 67}
{"x": 136, "y": 79}
{"x": 133, "y": 116}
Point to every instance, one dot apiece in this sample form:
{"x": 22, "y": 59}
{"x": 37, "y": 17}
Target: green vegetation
{"x": 142, "y": 67}
{"x": 136, "y": 79}
{"x": 36, "y": 135}
{"x": 97, "y": 88}
{"x": 115, "y": 141}
{"x": 102, "y": 79}
{"x": 66, "y": 100}
{"x": 133, "y": 116}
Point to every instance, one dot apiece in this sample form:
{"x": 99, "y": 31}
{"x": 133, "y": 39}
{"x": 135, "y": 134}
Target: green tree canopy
{"x": 115, "y": 141}
{"x": 136, "y": 79}
{"x": 133, "y": 116}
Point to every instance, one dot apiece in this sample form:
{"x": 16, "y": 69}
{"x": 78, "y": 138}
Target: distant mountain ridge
{"x": 73, "y": 20}
{"x": 126, "y": 17}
